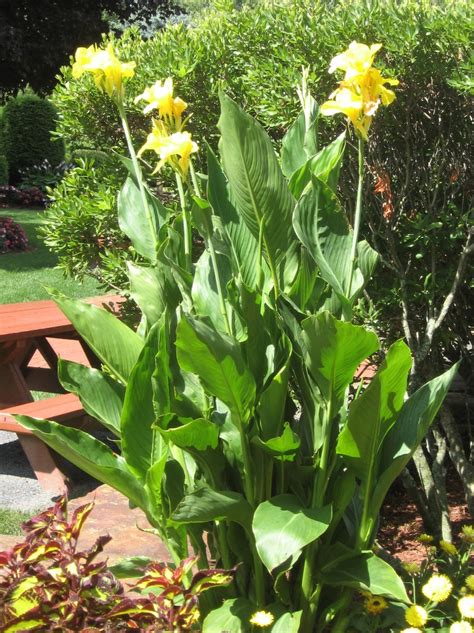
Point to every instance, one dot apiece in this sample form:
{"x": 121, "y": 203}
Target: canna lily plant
{"x": 242, "y": 434}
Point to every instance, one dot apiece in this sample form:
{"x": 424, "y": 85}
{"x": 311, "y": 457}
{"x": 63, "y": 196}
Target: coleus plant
{"x": 48, "y": 584}
{"x": 230, "y": 403}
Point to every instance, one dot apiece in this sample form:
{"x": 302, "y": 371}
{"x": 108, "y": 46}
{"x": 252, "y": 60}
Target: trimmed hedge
{"x": 29, "y": 121}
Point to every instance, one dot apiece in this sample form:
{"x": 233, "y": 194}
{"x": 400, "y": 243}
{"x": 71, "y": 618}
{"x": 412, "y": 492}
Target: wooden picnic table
{"x": 26, "y": 329}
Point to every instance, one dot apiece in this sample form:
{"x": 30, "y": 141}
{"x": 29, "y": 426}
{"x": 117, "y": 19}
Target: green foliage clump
{"x": 80, "y": 224}
{"x": 29, "y": 123}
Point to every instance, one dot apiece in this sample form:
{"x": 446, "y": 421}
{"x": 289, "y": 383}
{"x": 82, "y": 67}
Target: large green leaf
{"x": 117, "y": 346}
{"x": 372, "y": 414}
{"x": 301, "y": 140}
{"x": 413, "y": 422}
{"x": 362, "y": 571}
{"x": 101, "y": 396}
{"x": 322, "y": 226}
{"x": 288, "y": 623}
{"x": 283, "y": 447}
{"x": 258, "y": 186}
{"x": 206, "y": 504}
{"x": 198, "y": 434}
{"x": 282, "y": 527}
{"x": 244, "y": 246}
{"x": 90, "y": 455}
{"x": 217, "y": 360}
{"x": 138, "y": 413}
{"x": 333, "y": 350}
{"x": 232, "y": 617}
{"x": 134, "y": 222}
{"x": 324, "y": 166}
{"x": 153, "y": 289}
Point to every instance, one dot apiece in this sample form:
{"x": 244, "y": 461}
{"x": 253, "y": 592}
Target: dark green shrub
{"x": 29, "y": 124}
{"x": 3, "y": 158}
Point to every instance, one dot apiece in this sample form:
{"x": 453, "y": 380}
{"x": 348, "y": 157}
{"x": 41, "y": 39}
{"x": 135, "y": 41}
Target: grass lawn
{"x": 11, "y": 520}
{"x": 24, "y": 275}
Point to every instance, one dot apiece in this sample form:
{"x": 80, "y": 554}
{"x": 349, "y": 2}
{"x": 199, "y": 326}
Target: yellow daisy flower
{"x": 470, "y": 581}
{"x": 438, "y": 588}
{"x": 411, "y": 629}
{"x": 467, "y": 533}
{"x": 466, "y": 606}
{"x": 262, "y": 619}
{"x": 460, "y": 627}
{"x": 416, "y": 615}
{"x": 448, "y": 547}
{"x": 375, "y": 604}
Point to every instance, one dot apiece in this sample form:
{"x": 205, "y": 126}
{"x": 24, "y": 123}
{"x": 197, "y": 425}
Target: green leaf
{"x": 199, "y": 434}
{"x": 132, "y": 567}
{"x": 232, "y": 617}
{"x": 364, "y": 571}
{"x": 154, "y": 479}
{"x": 282, "y": 527}
{"x": 258, "y": 186}
{"x": 90, "y": 455}
{"x": 206, "y": 505}
{"x": 413, "y": 422}
{"x": 288, "y": 623}
{"x": 333, "y": 350}
{"x": 153, "y": 289}
{"x": 114, "y": 343}
{"x": 272, "y": 401}
{"x": 301, "y": 140}
{"x": 374, "y": 412}
{"x": 244, "y": 246}
{"x": 138, "y": 414}
{"x": 284, "y": 447}
{"x": 101, "y": 396}
{"x": 218, "y": 362}
{"x": 134, "y": 222}
{"x": 324, "y": 166}
{"x": 322, "y": 227}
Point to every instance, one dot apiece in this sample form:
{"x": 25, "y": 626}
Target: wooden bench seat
{"x": 65, "y": 408}
{"x": 58, "y": 408}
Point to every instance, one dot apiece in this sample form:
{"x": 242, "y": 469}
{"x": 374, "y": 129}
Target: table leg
{"x": 43, "y": 465}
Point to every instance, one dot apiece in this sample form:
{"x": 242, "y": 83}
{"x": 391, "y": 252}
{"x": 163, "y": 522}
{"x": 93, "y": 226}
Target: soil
{"x": 401, "y": 524}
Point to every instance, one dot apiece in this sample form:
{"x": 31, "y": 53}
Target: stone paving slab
{"x": 111, "y": 515}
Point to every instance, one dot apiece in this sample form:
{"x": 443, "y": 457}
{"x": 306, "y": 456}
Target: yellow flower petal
{"x": 416, "y": 615}
{"x": 466, "y": 606}
{"x": 108, "y": 71}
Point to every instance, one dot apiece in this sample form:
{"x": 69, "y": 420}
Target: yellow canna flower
{"x": 160, "y": 97}
{"x": 262, "y": 619}
{"x": 438, "y": 588}
{"x": 460, "y": 627}
{"x": 416, "y": 615}
{"x": 466, "y": 606}
{"x": 362, "y": 90}
{"x": 108, "y": 71}
{"x": 356, "y": 60}
{"x": 448, "y": 547}
{"x": 174, "y": 149}
{"x": 375, "y": 604}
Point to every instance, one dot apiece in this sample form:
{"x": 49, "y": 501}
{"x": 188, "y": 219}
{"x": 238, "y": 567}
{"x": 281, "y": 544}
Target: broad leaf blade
{"x": 206, "y": 504}
{"x": 115, "y": 344}
{"x": 101, "y": 396}
{"x": 282, "y": 527}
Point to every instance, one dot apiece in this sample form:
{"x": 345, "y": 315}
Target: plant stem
{"x": 136, "y": 166}
{"x": 223, "y": 546}
{"x": 358, "y": 211}
{"x": 194, "y": 179}
{"x": 186, "y": 224}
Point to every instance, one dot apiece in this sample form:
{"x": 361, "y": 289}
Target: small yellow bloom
{"x": 470, "y": 581}
{"x": 460, "y": 627}
{"x": 466, "y": 606}
{"x": 375, "y": 604}
{"x": 411, "y": 568}
{"x": 357, "y": 59}
{"x": 448, "y": 547}
{"x": 467, "y": 533}
{"x": 174, "y": 149}
{"x": 108, "y": 71}
{"x": 426, "y": 539}
{"x": 160, "y": 97}
{"x": 262, "y": 619}
{"x": 416, "y": 615}
{"x": 438, "y": 588}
